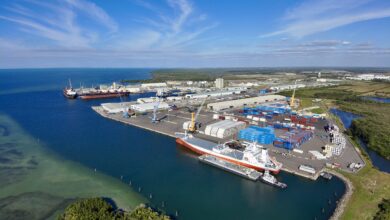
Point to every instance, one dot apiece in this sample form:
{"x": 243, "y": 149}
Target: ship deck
{"x": 208, "y": 145}
{"x": 231, "y": 167}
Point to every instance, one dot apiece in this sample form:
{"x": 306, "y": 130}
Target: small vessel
{"x": 246, "y": 154}
{"x": 230, "y": 167}
{"x": 69, "y": 92}
{"x": 271, "y": 180}
{"x": 326, "y": 175}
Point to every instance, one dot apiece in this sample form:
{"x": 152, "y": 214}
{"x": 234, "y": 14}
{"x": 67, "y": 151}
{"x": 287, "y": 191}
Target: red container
{"x": 222, "y": 117}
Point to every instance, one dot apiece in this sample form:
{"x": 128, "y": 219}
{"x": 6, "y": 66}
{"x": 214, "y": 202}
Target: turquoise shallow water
{"x": 153, "y": 163}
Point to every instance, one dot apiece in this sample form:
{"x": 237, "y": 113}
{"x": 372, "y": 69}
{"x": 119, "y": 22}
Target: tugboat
{"x": 271, "y": 180}
{"x": 69, "y": 92}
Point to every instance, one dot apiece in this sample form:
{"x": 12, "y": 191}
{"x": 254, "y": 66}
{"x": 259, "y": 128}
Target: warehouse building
{"x": 147, "y": 100}
{"x": 225, "y": 128}
{"x": 113, "y": 108}
{"x": 239, "y": 103}
{"x": 214, "y": 94}
{"x": 145, "y": 107}
{"x": 153, "y": 85}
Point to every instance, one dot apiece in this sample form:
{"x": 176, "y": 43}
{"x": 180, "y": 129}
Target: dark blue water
{"x": 378, "y": 99}
{"x": 378, "y": 161}
{"x": 149, "y": 160}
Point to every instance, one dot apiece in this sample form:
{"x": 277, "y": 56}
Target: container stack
{"x": 263, "y": 110}
{"x": 303, "y": 120}
{"x": 292, "y": 139}
{"x": 339, "y": 142}
{"x": 257, "y": 134}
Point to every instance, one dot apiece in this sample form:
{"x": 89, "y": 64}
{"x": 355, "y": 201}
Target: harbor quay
{"x": 171, "y": 121}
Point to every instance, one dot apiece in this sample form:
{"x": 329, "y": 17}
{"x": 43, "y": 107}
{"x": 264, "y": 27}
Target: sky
{"x": 194, "y": 33}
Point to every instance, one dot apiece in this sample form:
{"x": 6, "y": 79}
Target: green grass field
{"x": 371, "y": 186}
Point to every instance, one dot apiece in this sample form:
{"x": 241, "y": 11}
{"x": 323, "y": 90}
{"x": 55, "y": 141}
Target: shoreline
{"x": 340, "y": 208}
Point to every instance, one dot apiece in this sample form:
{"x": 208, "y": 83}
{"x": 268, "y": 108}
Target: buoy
{"x": 95, "y": 170}
{"x": 121, "y": 177}
{"x": 130, "y": 183}
{"x": 139, "y": 189}
{"x": 150, "y": 196}
{"x": 177, "y": 213}
{"x": 162, "y": 204}
{"x": 323, "y": 210}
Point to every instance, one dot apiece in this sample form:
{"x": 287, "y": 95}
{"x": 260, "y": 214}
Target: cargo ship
{"x": 103, "y": 95}
{"x": 69, "y": 92}
{"x": 246, "y": 154}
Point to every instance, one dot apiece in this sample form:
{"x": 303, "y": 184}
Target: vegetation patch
{"x": 371, "y": 189}
{"x": 384, "y": 210}
{"x": 98, "y": 208}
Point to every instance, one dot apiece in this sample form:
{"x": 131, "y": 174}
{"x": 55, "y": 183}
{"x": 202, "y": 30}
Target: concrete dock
{"x": 172, "y": 122}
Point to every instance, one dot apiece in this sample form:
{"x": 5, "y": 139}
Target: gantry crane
{"x": 193, "y": 126}
{"x": 292, "y": 100}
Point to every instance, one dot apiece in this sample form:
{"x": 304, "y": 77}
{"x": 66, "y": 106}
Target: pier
{"x": 174, "y": 124}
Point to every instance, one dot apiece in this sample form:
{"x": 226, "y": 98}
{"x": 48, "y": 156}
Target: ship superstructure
{"x": 246, "y": 154}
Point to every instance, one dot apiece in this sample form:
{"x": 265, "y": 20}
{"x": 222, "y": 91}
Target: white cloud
{"x": 58, "y": 22}
{"x": 182, "y": 28}
{"x": 95, "y": 12}
{"x": 319, "y": 16}
{"x": 185, "y": 9}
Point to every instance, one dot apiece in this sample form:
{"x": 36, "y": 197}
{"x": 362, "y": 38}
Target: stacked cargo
{"x": 292, "y": 139}
{"x": 257, "y": 134}
{"x": 303, "y": 120}
{"x": 225, "y": 128}
{"x": 339, "y": 140}
{"x": 267, "y": 110}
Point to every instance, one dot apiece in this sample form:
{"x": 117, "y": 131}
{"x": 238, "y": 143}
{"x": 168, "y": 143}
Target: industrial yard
{"x": 305, "y": 143}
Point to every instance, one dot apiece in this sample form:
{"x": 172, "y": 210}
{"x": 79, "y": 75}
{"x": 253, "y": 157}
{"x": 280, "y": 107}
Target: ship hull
{"x": 69, "y": 96}
{"x": 201, "y": 151}
{"x": 103, "y": 96}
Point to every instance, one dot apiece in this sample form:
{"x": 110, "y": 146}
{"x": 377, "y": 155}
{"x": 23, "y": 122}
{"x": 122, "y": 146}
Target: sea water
{"x": 148, "y": 163}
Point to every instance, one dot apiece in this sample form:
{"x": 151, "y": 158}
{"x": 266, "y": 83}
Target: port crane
{"x": 155, "y": 107}
{"x": 193, "y": 125}
{"x": 292, "y": 100}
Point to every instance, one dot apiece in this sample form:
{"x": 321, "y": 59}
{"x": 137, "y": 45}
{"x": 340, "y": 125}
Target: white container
{"x": 216, "y": 116}
{"x": 256, "y": 119}
{"x": 249, "y": 116}
{"x": 298, "y": 151}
